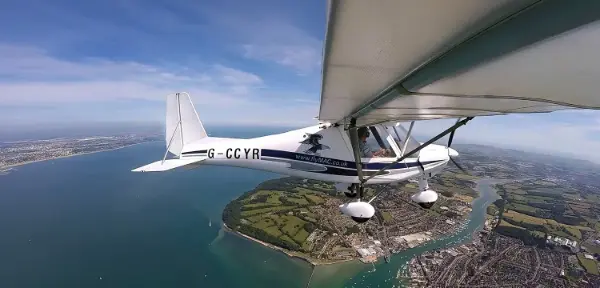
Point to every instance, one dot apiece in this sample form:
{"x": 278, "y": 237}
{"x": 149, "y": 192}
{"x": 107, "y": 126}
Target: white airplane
{"x": 387, "y": 62}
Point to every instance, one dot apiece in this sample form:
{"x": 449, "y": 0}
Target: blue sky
{"x": 244, "y": 62}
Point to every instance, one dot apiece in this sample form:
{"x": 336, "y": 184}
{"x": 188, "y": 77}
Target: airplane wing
{"x": 168, "y": 164}
{"x": 404, "y": 60}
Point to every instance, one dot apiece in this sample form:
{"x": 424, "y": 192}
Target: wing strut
{"x": 354, "y": 142}
{"x": 447, "y": 131}
{"x": 412, "y": 123}
{"x": 171, "y": 141}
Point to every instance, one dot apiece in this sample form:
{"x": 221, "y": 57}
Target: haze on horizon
{"x": 70, "y": 63}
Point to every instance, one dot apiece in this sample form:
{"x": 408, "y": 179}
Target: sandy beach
{"x": 313, "y": 262}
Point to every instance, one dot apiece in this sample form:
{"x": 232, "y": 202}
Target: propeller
{"x": 453, "y": 153}
{"x": 458, "y": 166}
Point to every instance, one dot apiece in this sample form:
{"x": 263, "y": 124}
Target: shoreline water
{"x": 8, "y": 168}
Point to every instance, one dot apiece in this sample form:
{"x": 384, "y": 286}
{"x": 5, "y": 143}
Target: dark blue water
{"x": 86, "y": 221}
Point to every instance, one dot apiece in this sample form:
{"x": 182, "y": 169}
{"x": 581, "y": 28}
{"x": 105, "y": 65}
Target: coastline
{"x": 314, "y": 262}
{"x": 8, "y": 168}
{"x": 291, "y": 254}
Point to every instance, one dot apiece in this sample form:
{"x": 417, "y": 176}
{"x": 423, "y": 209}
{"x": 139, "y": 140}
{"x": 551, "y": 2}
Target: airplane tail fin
{"x": 183, "y": 125}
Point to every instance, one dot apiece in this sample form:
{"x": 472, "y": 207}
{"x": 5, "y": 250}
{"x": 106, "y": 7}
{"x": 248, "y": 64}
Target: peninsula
{"x": 301, "y": 218}
{"x": 17, "y": 153}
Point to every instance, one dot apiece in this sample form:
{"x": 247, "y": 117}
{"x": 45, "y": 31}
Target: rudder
{"x": 183, "y": 126}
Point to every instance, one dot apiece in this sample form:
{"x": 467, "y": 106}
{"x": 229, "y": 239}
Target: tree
{"x": 309, "y": 227}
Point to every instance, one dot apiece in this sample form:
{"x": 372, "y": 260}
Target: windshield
{"x": 400, "y": 135}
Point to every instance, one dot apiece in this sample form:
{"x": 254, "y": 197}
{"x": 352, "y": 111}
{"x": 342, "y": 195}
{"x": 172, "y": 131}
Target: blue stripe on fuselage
{"x": 336, "y": 162}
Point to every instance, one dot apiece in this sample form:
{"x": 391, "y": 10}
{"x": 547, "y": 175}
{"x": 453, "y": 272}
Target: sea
{"x": 87, "y": 221}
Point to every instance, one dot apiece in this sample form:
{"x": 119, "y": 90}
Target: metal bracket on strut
{"x": 423, "y": 184}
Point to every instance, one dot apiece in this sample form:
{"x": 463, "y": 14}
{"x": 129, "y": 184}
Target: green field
{"x": 521, "y": 208}
{"x": 545, "y": 207}
{"x": 267, "y": 210}
{"x": 506, "y": 224}
{"x": 280, "y": 211}
{"x": 387, "y": 216}
{"x": 299, "y": 201}
{"x": 264, "y": 223}
{"x": 589, "y": 265}
{"x": 314, "y": 199}
{"x": 592, "y": 248}
{"x": 291, "y": 224}
{"x": 301, "y": 236}
{"x": 274, "y": 198}
{"x": 549, "y": 226}
{"x": 273, "y": 230}
{"x": 258, "y": 205}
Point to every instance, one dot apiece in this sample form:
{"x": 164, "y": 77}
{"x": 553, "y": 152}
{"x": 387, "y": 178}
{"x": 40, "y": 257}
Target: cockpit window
{"x": 373, "y": 143}
{"x": 400, "y": 135}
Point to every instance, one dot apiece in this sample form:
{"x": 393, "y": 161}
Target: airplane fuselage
{"x": 318, "y": 152}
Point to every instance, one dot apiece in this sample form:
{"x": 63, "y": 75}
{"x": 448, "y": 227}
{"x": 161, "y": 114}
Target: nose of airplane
{"x": 452, "y": 152}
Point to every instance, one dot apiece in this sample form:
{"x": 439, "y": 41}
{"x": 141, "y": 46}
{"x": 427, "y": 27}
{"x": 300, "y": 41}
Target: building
{"x": 363, "y": 252}
{"x": 561, "y": 241}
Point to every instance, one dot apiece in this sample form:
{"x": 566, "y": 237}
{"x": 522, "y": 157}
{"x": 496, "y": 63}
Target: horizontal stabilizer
{"x": 168, "y": 164}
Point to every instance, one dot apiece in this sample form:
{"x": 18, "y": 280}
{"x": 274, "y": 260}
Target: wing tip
{"x": 160, "y": 165}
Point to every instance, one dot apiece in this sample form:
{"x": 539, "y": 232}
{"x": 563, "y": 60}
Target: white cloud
{"x": 31, "y": 77}
{"x": 237, "y": 77}
{"x": 281, "y": 43}
{"x": 302, "y": 58}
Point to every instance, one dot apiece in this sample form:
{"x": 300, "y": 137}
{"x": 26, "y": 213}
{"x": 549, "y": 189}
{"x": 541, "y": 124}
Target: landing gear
{"x": 359, "y": 211}
{"x": 363, "y": 211}
{"x": 350, "y": 190}
{"x": 426, "y": 197}
{"x": 355, "y": 190}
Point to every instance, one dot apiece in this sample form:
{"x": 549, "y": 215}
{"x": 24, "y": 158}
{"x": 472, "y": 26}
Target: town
{"x": 542, "y": 230}
{"x": 494, "y": 260}
{"x": 302, "y": 216}
{"x": 21, "y": 152}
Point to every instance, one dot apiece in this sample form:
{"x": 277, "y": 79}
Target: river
{"x": 384, "y": 274}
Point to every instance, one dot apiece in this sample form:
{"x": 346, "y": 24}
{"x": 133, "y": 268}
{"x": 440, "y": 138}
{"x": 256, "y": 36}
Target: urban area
{"x": 544, "y": 229}
{"x": 16, "y": 153}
